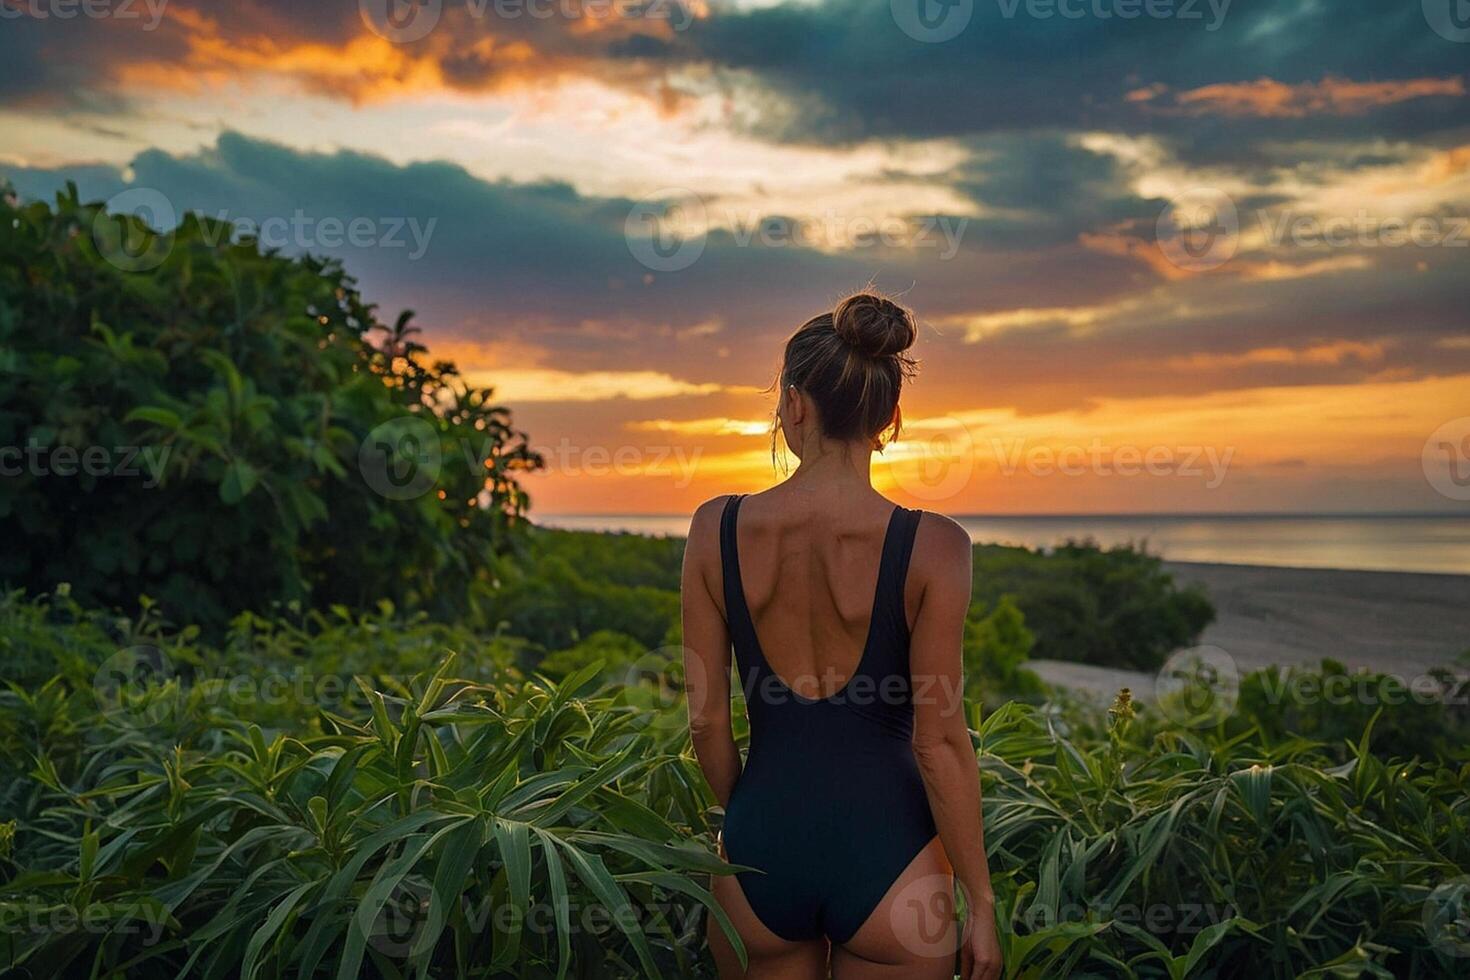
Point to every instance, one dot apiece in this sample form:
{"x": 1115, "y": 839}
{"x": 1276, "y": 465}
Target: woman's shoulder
{"x": 704, "y": 525}
{"x": 710, "y": 512}
{"x": 940, "y": 542}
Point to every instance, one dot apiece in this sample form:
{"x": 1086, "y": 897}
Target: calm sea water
{"x": 1399, "y": 543}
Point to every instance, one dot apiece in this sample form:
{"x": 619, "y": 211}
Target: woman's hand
{"x": 980, "y": 957}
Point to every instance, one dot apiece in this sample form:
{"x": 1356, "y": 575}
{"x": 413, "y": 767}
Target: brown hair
{"x": 851, "y": 362}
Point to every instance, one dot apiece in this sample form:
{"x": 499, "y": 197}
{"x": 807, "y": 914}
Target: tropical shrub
{"x": 1197, "y": 854}
{"x": 232, "y": 430}
{"x": 1115, "y": 607}
{"x": 1333, "y": 705}
{"x": 442, "y": 826}
{"x": 544, "y": 596}
{"x": 996, "y": 647}
{"x": 472, "y": 822}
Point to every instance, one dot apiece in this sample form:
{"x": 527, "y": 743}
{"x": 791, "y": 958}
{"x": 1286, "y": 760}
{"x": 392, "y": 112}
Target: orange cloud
{"x": 465, "y": 53}
{"x": 1353, "y": 438}
{"x": 1266, "y": 98}
{"x": 551, "y": 385}
{"x": 705, "y": 427}
{"x": 1276, "y": 271}
{"x": 1447, "y": 165}
{"x": 1330, "y": 353}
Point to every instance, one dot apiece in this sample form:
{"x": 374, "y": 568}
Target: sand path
{"x": 1396, "y": 622}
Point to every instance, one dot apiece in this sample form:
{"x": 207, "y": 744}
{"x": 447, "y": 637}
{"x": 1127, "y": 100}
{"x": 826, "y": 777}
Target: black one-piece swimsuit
{"x": 830, "y": 808}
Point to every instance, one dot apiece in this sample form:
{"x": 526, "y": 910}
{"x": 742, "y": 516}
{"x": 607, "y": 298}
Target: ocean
{"x": 1381, "y": 542}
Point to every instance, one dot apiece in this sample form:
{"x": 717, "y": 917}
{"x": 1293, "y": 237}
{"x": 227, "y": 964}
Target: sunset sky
{"x": 1022, "y": 184}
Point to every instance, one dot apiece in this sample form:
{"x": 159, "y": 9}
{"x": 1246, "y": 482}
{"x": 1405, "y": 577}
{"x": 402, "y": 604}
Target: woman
{"x": 860, "y": 799}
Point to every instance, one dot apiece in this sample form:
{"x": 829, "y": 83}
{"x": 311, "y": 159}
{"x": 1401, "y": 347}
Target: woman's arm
{"x": 941, "y": 741}
{"x": 707, "y": 653}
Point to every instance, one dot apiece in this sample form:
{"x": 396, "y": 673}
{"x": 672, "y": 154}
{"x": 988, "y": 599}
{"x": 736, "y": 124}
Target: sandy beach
{"x": 1397, "y": 622}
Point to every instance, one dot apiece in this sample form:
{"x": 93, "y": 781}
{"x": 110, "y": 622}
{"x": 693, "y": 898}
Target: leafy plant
{"x": 443, "y": 827}
{"x": 469, "y": 821}
{"x": 997, "y": 645}
{"x": 233, "y": 430}
{"x": 1115, "y": 607}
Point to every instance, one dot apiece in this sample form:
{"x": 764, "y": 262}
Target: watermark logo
{"x": 1209, "y": 464}
{"x": 922, "y": 917}
{"x": 406, "y": 919}
{"x": 932, "y": 21}
{"x": 401, "y": 458}
{"x": 1440, "y": 686}
{"x": 127, "y": 685}
{"x": 834, "y": 230}
{"x": 126, "y": 245}
{"x": 406, "y": 21}
{"x": 1362, "y": 229}
{"x": 144, "y": 921}
{"x": 401, "y": 21}
{"x": 1199, "y": 229}
{"x": 135, "y": 247}
{"x": 1450, "y": 19}
{"x": 668, "y": 673}
{"x": 149, "y": 11}
{"x": 567, "y": 458}
{"x": 146, "y": 463}
{"x": 1155, "y": 918}
{"x": 1446, "y": 459}
{"x": 1181, "y": 10}
{"x": 666, "y": 230}
{"x": 1447, "y": 917}
{"x": 932, "y": 460}
{"x": 1198, "y": 687}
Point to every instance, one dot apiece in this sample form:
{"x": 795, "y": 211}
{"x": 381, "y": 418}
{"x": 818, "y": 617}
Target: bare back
{"x": 810, "y": 567}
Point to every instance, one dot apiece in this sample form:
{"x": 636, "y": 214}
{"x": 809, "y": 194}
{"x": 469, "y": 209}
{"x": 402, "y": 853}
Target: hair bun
{"x": 873, "y": 325}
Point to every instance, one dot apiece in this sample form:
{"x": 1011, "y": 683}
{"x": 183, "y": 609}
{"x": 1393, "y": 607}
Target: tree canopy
{"x": 186, "y": 415}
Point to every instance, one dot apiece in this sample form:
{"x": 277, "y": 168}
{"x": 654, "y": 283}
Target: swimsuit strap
{"x": 892, "y": 629}
{"x": 737, "y": 613}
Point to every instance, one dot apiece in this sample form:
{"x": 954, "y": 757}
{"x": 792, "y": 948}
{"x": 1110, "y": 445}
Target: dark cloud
{"x": 1045, "y": 188}
{"x": 539, "y": 263}
{"x": 74, "y": 63}
{"x": 1012, "y": 88}
{"x": 549, "y": 269}
{"x": 846, "y": 72}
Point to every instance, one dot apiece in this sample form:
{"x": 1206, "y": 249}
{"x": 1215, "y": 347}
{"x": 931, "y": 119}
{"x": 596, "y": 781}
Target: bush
{"x": 996, "y": 648}
{"x": 1116, "y": 607}
{"x": 443, "y": 823}
{"x": 1176, "y": 853}
{"x": 546, "y": 598}
{"x": 220, "y": 432}
{"x": 1334, "y": 706}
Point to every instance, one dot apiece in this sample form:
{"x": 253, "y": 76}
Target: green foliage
{"x": 553, "y": 604}
{"x": 219, "y": 416}
{"x": 617, "y": 652}
{"x": 995, "y": 651}
{"x": 1115, "y": 607}
{"x": 1196, "y": 854}
{"x": 202, "y": 819}
{"x": 1333, "y": 705}
{"x": 617, "y": 558}
{"x": 565, "y": 585}
{"x": 458, "y": 823}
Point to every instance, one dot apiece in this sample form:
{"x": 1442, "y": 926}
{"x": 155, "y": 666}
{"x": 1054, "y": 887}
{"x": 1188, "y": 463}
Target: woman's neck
{"x": 840, "y": 466}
